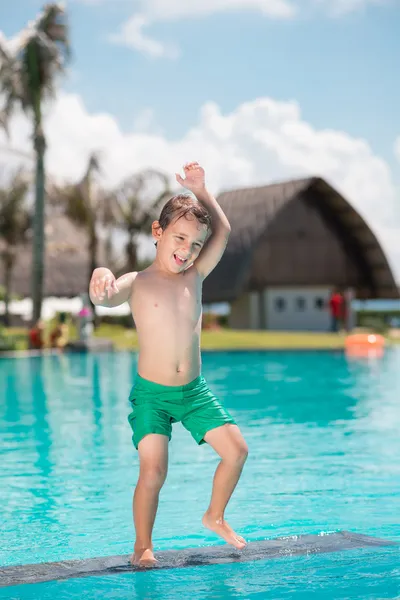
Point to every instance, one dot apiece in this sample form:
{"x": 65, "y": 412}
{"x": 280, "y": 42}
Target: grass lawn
{"x": 225, "y": 339}
{"x": 231, "y": 339}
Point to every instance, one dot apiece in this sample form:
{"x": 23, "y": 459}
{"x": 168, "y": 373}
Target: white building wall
{"x": 297, "y": 308}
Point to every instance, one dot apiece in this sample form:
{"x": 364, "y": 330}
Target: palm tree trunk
{"x": 8, "y": 265}
{"x": 131, "y": 253}
{"x": 108, "y": 248}
{"x": 93, "y": 245}
{"x": 38, "y": 229}
{"x": 38, "y": 219}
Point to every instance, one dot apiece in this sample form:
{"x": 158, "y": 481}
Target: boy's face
{"x": 180, "y": 243}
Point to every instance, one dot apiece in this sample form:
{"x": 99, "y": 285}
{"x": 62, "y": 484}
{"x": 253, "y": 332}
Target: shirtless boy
{"x": 166, "y": 303}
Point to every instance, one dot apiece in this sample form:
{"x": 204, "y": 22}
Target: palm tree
{"x": 84, "y": 204}
{"x": 15, "y": 222}
{"x": 131, "y": 208}
{"x": 136, "y": 205}
{"x": 27, "y": 78}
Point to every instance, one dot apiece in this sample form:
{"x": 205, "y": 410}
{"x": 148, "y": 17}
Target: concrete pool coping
{"x": 191, "y": 557}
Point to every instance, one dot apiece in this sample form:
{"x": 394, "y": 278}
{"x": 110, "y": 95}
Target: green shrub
{"x": 375, "y": 323}
{"x": 3, "y": 294}
{"x": 7, "y": 343}
{"x": 122, "y": 320}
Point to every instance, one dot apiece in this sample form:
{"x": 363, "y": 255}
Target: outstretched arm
{"x": 105, "y": 290}
{"x": 215, "y": 246}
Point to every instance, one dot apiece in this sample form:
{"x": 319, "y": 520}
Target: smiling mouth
{"x": 180, "y": 261}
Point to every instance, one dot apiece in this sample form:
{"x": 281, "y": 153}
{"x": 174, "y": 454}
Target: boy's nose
{"x": 186, "y": 250}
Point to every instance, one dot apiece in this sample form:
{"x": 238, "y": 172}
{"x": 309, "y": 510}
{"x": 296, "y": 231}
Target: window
{"x": 280, "y": 304}
{"x": 300, "y": 303}
{"x": 319, "y": 303}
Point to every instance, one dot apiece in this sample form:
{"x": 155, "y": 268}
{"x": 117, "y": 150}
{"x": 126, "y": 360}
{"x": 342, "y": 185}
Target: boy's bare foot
{"x": 221, "y": 528}
{"x": 143, "y": 557}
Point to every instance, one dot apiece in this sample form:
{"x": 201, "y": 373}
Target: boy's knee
{"x": 153, "y": 476}
{"x": 243, "y": 451}
{"x": 239, "y": 453}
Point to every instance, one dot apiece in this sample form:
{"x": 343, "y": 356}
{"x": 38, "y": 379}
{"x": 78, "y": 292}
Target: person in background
{"x": 336, "y": 308}
{"x": 36, "y": 336}
{"x": 59, "y": 335}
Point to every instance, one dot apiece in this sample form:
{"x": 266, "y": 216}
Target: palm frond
{"x": 10, "y": 85}
{"x": 29, "y": 75}
{"x": 139, "y": 198}
{"x": 15, "y": 217}
{"x": 54, "y": 24}
{"x": 72, "y": 201}
{"x": 152, "y": 214}
{"x": 94, "y": 164}
{"x": 80, "y": 201}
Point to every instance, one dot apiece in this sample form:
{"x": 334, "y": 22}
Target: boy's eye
{"x": 179, "y": 237}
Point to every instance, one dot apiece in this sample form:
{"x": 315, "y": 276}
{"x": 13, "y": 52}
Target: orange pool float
{"x": 365, "y": 344}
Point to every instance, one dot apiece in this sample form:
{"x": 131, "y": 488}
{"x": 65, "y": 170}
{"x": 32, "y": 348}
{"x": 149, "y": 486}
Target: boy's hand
{"x": 102, "y": 284}
{"x": 194, "y": 177}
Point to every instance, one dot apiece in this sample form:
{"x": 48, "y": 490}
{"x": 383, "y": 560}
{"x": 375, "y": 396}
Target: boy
{"x": 165, "y": 300}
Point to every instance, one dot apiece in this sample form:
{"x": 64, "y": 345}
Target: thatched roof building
{"x": 298, "y": 235}
{"x": 291, "y": 243}
{"x": 66, "y": 261}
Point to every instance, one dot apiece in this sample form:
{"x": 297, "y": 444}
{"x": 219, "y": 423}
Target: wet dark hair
{"x": 184, "y": 205}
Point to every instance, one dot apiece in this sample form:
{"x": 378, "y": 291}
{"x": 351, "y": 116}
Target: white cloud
{"x": 132, "y": 32}
{"x": 339, "y": 8}
{"x": 132, "y": 35}
{"x": 146, "y": 12}
{"x": 259, "y": 142}
{"x": 180, "y": 9}
{"x": 12, "y": 43}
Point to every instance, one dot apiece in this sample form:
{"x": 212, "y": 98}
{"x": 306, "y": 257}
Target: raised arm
{"x": 215, "y": 246}
{"x": 105, "y": 290}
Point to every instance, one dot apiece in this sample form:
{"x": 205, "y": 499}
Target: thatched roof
{"x": 66, "y": 261}
{"x": 253, "y": 211}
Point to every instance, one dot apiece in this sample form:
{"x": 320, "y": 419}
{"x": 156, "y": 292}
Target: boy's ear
{"x": 156, "y": 230}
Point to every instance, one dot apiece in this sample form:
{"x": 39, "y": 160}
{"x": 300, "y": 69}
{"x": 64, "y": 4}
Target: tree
{"x": 87, "y": 205}
{"x": 15, "y": 222}
{"x": 136, "y": 204}
{"x": 27, "y": 78}
{"x": 84, "y": 203}
{"x": 131, "y": 208}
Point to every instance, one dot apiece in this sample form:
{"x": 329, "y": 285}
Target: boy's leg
{"x": 229, "y": 443}
{"x": 153, "y": 457}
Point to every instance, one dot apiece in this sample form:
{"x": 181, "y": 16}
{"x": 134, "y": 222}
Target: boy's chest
{"x": 167, "y": 300}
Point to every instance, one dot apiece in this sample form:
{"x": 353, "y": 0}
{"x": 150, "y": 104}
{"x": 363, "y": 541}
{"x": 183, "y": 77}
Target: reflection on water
{"x": 322, "y": 431}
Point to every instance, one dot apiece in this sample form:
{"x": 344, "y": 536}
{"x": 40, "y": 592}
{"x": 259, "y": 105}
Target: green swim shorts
{"x": 156, "y": 407}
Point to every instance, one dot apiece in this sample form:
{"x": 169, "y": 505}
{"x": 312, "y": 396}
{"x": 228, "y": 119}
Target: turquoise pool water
{"x": 324, "y": 439}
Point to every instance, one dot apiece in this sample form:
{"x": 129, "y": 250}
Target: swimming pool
{"x": 323, "y": 434}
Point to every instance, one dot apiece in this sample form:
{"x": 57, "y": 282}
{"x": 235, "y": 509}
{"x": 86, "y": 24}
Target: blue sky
{"x": 339, "y": 69}
{"x": 342, "y": 71}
